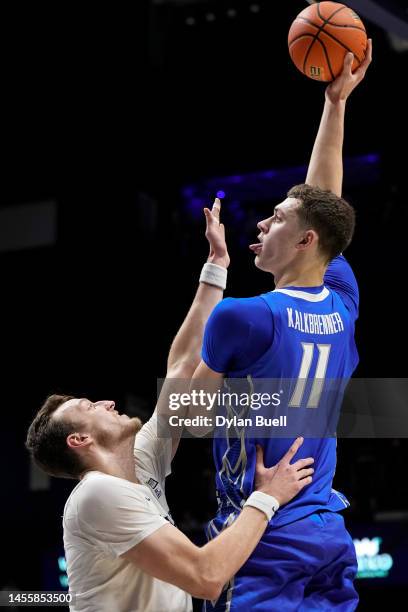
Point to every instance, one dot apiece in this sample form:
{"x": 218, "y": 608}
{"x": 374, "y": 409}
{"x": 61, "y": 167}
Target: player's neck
{"x": 118, "y": 462}
{"x": 312, "y": 277}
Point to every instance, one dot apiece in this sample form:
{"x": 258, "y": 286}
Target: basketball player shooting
{"x": 306, "y": 559}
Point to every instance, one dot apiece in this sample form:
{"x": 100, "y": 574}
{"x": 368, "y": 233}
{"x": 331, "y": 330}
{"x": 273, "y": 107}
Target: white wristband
{"x": 214, "y": 275}
{"x": 264, "y": 502}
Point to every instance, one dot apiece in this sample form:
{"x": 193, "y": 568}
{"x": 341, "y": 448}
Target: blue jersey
{"x": 293, "y": 333}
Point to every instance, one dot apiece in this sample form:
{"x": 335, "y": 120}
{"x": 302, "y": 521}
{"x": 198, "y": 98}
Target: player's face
{"x": 100, "y": 420}
{"x": 278, "y": 238}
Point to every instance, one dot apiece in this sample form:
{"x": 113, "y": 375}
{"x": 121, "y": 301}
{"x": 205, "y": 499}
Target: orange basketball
{"x": 320, "y": 37}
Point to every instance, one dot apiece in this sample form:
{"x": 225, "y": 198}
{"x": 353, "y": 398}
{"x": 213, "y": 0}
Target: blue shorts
{"x": 304, "y": 566}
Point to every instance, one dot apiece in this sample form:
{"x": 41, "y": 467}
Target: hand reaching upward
{"x": 215, "y": 234}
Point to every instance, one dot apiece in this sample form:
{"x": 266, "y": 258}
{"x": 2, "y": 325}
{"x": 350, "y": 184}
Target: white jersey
{"x": 153, "y": 460}
{"x": 106, "y": 516}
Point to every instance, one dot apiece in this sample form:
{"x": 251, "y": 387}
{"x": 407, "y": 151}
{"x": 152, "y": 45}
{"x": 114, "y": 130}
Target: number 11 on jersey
{"x": 320, "y": 374}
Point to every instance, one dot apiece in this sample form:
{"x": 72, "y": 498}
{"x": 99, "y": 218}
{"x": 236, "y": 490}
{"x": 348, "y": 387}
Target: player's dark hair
{"x": 329, "y": 215}
{"x": 47, "y": 440}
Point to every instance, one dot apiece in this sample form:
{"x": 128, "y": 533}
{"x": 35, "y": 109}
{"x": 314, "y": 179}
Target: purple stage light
{"x": 187, "y": 192}
{"x": 268, "y": 174}
{"x": 270, "y": 184}
{"x": 371, "y": 158}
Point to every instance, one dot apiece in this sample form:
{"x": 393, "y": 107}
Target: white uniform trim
{"x": 304, "y": 295}
{"x": 339, "y": 496}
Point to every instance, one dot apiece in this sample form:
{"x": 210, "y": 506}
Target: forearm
{"x": 326, "y": 163}
{"x": 186, "y": 347}
{"x": 221, "y": 558}
{"x": 169, "y": 555}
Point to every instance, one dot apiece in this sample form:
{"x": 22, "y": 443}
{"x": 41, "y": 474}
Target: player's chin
{"x": 130, "y": 425}
{"x": 259, "y": 262}
{"x": 136, "y": 424}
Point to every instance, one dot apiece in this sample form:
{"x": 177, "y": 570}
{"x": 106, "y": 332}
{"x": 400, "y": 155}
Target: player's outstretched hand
{"x": 343, "y": 85}
{"x": 215, "y": 234}
{"x": 284, "y": 480}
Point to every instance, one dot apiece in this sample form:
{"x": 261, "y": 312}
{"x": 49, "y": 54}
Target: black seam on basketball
{"x": 343, "y": 45}
{"x": 327, "y": 59}
{"x": 299, "y": 37}
{"x": 337, "y": 25}
{"x": 330, "y": 16}
{"x": 309, "y": 21}
{"x": 307, "y": 53}
{"x": 334, "y": 25}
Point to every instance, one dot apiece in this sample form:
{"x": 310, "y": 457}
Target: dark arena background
{"x": 118, "y": 126}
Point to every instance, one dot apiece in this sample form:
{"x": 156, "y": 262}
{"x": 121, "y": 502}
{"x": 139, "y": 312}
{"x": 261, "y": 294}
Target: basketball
{"x": 320, "y": 37}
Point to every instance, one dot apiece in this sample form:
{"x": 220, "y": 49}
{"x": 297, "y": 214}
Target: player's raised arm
{"x": 326, "y": 163}
{"x": 184, "y": 355}
{"x": 185, "y": 351}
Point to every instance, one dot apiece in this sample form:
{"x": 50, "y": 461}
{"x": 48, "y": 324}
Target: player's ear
{"x": 308, "y": 238}
{"x": 78, "y": 440}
